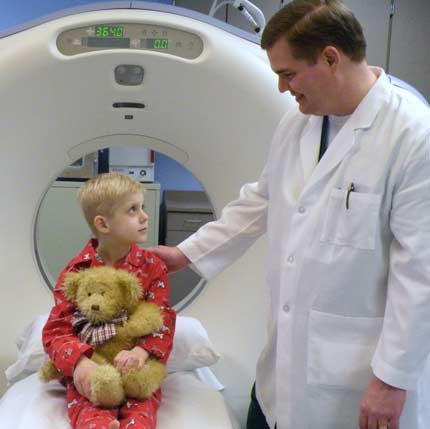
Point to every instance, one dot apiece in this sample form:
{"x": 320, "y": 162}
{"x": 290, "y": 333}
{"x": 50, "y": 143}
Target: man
{"x": 348, "y": 228}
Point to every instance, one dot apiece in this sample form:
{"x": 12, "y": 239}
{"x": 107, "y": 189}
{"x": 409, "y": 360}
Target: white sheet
{"x": 187, "y": 403}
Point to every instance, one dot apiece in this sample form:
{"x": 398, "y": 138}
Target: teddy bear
{"x": 112, "y": 316}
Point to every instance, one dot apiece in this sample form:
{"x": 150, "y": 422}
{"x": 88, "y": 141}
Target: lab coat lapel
{"x": 346, "y": 140}
{"x": 309, "y": 145}
{"x": 336, "y": 152}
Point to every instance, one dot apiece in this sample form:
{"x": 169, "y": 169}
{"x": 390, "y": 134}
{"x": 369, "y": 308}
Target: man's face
{"x": 308, "y": 83}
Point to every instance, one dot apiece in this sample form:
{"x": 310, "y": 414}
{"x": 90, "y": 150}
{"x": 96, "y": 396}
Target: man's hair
{"x": 101, "y": 195}
{"x": 310, "y": 25}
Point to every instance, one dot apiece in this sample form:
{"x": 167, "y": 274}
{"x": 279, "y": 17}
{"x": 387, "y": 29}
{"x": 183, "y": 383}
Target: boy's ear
{"x": 70, "y": 285}
{"x": 101, "y": 224}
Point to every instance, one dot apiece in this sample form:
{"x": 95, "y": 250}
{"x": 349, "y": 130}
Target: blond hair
{"x": 310, "y": 25}
{"x": 101, "y": 195}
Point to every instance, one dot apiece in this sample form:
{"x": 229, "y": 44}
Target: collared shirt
{"x": 58, "y": 337}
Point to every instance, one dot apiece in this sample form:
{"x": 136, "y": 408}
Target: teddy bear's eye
{"x": 89, "y": 293}
{"x": 103, "y": 293}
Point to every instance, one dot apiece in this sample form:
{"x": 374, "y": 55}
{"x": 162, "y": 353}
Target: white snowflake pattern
{"x": 129, "y": 404}
{"x": 132, "y": 422}
{"x": 71, "y": 404}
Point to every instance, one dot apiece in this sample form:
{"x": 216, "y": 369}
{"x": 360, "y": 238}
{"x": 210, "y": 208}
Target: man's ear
{"x": 331, "y": 56}
{"x": 101, "y": 224}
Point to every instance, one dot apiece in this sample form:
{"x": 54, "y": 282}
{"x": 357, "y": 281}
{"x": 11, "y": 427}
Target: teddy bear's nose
{"x": 95, "y": 307}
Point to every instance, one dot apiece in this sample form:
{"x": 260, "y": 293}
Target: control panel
{"x": 147, "y": 37}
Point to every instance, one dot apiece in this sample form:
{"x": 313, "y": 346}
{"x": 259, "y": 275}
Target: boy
{"x": 113, "y": 207}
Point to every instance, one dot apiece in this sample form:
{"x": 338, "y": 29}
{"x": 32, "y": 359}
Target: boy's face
{"x": 129, "y": 222}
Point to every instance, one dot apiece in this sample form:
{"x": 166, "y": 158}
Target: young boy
{"x": 113, "y": 207}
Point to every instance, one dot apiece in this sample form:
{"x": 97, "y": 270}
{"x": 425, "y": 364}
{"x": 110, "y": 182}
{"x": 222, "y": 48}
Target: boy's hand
{"x": 82, "y": 376}
{"x": 128, "y": 359}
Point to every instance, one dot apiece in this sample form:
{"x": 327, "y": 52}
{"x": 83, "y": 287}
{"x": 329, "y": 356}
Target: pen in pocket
{"x": 351, "y": 188}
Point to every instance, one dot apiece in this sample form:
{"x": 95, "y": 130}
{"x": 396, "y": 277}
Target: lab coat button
{"x": 302, "y": 209}
{"x": 291, "y": 259}
{"x": 286, "y": 308}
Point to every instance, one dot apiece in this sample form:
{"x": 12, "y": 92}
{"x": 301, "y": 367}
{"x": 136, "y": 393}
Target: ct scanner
{"x": 192, "y": 87}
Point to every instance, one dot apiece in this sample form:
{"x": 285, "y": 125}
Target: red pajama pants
{"x": 133, "y": 414}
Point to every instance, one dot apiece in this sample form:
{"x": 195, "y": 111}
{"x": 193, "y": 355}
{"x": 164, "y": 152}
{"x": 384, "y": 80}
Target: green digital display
{"x": 156, "y": 43}
{"x": 109, "y": 31}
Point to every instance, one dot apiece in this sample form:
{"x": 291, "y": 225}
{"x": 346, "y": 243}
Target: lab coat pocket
{"x": 340, "y": 349}
{"x": 355, "y": 226}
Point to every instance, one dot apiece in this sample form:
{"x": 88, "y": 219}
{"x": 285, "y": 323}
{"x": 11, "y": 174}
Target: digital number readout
{"x": 156, "y": 43}
{"x": 109, "y": 31}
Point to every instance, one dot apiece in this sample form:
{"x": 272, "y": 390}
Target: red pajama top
{"x": 59, "y": 340}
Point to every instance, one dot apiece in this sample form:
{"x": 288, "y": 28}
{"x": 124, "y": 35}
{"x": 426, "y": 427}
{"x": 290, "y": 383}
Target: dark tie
{"x": 324, "y": 137}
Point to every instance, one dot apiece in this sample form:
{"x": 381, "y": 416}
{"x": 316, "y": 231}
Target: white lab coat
{"x": 349, "y": 288}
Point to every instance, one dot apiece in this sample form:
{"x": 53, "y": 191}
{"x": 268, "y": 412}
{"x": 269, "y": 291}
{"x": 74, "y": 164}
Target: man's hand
{"x": 128, "y": 359}
{"x": 174, "y": 259}
{"x": 82, "y": 376}
{"x": 381, "y": 406}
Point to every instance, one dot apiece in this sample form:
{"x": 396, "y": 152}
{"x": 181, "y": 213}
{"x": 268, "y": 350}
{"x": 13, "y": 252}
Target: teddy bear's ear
{"x": 70, "y": 285}
{"x": 130, "y": 287}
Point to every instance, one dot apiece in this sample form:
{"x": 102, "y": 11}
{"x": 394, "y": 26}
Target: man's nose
{"x": 283, "y": 85}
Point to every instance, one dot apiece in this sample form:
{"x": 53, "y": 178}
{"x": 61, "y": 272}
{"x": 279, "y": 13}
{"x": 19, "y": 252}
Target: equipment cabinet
{"x": 184, "y": 212}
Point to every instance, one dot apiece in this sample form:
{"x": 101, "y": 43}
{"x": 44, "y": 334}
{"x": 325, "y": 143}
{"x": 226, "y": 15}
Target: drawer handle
{"x": 193, "y": 221}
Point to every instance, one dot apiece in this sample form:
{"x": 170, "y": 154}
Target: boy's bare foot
{"x": 114, "y": 424}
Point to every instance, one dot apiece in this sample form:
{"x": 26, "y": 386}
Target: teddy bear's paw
{"x": 141, "y": 384}
{"x": 146, "y": 319}
{"x": 49, "y": 372}
{"x": 106, "y": 387}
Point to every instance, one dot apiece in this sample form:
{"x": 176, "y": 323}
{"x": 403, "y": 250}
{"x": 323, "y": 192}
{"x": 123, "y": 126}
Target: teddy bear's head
{"x": 100, "y": 293}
